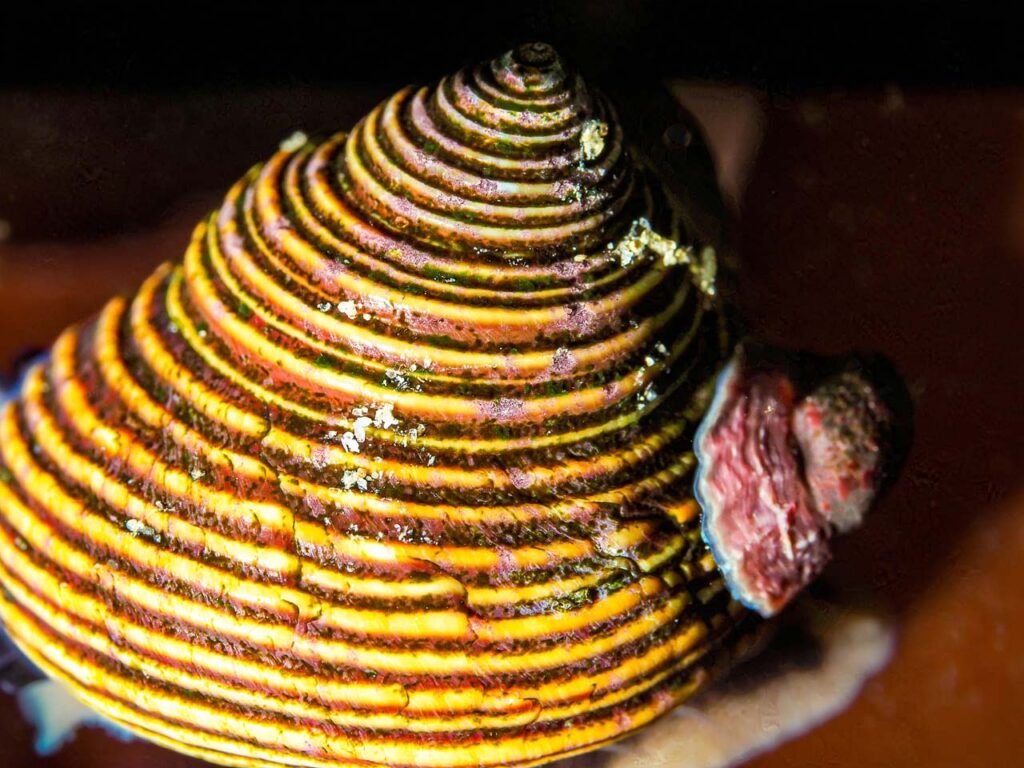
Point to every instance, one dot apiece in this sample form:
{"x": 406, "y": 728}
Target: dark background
{"x": 781, "y": 46}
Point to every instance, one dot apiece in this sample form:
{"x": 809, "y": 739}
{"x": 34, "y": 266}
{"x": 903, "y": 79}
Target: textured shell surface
{"x": 395, "y": 466}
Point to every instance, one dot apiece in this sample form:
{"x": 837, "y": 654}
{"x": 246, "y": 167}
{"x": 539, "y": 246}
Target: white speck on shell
{"x": 384, "y": 417}
{"x": 139, "y": 528}
{"x": 592, "y": 137}
{"x": 296, "y": 141}
{"x": 643, "y": 242}
{"x": 359, "y": 427}
{"x": 349, "y": 442}
{"x": 348, "y": 309}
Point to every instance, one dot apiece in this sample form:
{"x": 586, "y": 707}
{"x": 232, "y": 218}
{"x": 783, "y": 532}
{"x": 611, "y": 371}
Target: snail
{"x": 438, "y": 448}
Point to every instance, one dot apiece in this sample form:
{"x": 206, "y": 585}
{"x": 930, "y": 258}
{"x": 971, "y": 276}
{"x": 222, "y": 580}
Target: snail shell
{"x": 395, "y": 467}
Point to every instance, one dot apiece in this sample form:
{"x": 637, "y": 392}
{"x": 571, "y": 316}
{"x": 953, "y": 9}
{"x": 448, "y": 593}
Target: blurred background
{"x": 873, "y": 157}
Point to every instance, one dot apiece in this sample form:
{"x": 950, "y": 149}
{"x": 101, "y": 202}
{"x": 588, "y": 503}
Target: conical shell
{"x": 394, "y": 467}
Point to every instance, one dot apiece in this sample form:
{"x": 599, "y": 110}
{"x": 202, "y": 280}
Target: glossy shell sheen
{"x": 396, "y": 466}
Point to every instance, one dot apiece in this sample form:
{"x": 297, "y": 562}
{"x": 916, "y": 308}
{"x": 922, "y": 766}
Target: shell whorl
{"x": 491, "y": 162}
{"x": 395, "y": 466}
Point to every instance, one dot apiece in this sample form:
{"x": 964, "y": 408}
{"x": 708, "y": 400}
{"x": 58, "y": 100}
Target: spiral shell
{"x": 395, "y": 467}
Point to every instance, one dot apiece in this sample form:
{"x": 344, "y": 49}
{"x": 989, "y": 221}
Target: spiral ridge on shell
{"x": 395, "y": 466}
